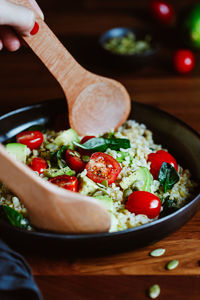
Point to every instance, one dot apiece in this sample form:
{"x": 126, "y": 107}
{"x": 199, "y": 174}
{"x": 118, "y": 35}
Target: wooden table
{"x": 24, "y": 80}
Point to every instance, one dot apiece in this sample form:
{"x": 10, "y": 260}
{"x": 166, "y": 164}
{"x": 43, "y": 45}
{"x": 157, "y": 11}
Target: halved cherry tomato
{"x": 144, "y": 203}
{"x": 84, "y": 140}
{"x": 66, "y": 182}
{"x": 162, "y": 11}
{"x": 157, "y": 159}
{"x": 38, "y": 164}
{"x": 32, "y": 139}
{"x": 103, "y": 167}
{"x": 74, "y": 161}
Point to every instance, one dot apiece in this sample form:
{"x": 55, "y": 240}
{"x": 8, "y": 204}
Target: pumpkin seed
{"x": 172, "y": 264}
{"x": 157, "y": 252}
{"x": 154, "y": 291}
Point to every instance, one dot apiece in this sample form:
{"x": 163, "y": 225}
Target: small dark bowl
{"x": 125, "y": 60}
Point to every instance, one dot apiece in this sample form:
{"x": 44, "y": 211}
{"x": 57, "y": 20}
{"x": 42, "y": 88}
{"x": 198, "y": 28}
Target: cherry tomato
{"x": 157, "y": 159}
{"x": 66, "y": 182}
{"x": 84, "y": 140}
{"x": 38, "y": 164}
{"x": 32, "y": 139}
{"x": 184, "y": 61}
{"x": 162, "y": 11}
{"x": 103, "y": 167}
{"x": 74, "y": 161}
{"x": 144, "y": 203}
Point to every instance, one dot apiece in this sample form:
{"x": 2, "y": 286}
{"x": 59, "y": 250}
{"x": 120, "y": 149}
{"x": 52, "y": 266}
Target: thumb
{"x": 19, "y": 17}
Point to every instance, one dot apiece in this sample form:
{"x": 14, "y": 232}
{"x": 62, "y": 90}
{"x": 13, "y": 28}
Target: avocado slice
{"x": 87, "y": 186}
{"x": 19, "y": 151}
{"x": 67, "y": 137}
{"x": 108, "y": 203}
{"x": 58, "y": 172}
{"x": 141, "y": 179}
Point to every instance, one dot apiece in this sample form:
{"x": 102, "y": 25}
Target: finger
{"x": 9, "y": 39}
{"x": 1, "y": 45}
{"x": 36, "y": 7}
{"x": 19, "y": 17}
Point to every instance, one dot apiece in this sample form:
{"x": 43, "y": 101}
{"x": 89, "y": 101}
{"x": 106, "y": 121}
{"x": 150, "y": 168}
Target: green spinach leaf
{"x": 167, "y": 176}
{"x": 14, "y": 217}
{"x": 102, "y": 144}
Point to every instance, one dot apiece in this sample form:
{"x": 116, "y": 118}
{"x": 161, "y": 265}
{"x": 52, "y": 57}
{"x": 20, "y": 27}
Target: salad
{"x": 137, "y": 180}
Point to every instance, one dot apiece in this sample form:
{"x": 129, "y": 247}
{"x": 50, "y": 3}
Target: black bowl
{"x": 180, "y": 139}
{"x": 128, "y": 60}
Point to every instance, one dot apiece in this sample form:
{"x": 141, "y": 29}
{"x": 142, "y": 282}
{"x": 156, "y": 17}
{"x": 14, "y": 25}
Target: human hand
{"x": 16, "y": 19}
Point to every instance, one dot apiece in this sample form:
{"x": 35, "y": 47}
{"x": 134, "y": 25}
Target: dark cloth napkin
{"x": 16, "y": 280}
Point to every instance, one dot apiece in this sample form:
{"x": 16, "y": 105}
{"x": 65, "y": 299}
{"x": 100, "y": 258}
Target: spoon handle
{"x": 53, "y": 54}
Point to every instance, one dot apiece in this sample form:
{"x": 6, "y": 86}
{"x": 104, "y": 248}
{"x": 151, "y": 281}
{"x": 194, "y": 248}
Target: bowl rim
{"x": 105, "y": 234}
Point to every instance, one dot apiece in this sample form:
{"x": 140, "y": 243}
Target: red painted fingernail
{"x": 35, "y": 29}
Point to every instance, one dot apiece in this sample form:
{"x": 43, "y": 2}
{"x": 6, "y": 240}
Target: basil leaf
{"x": 116, "y": 144}
{"x": 167, "y": 176}
{"x": 102, "y": 144}
{"x": 168, "y": 207}
{"x": 14, "y": 217}
{"x": 94, "y": 144}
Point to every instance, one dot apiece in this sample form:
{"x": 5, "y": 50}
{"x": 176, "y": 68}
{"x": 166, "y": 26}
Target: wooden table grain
{"x": 24, "y": 80}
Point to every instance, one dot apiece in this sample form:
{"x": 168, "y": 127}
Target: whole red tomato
{"x": 162, "y": 11}
{"x": 38, "y": 164}
{"x": 157, "y": 159}
{"x": 32, "y": 139}
{"x": 144, "y": 203}
{"x": 184, "y": 61}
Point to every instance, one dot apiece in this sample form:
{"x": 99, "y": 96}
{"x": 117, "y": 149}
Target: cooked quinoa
{"x": 142, "y": 144}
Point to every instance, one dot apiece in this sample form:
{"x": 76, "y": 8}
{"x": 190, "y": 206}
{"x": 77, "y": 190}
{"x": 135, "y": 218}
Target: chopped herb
{"x": 167, "y": 176}
{"x": 128, "y": 44}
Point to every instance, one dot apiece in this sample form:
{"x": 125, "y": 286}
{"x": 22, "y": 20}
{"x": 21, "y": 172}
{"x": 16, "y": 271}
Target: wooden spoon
{"x": 96, "y": 104}
{"x": 50, "y": 207}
